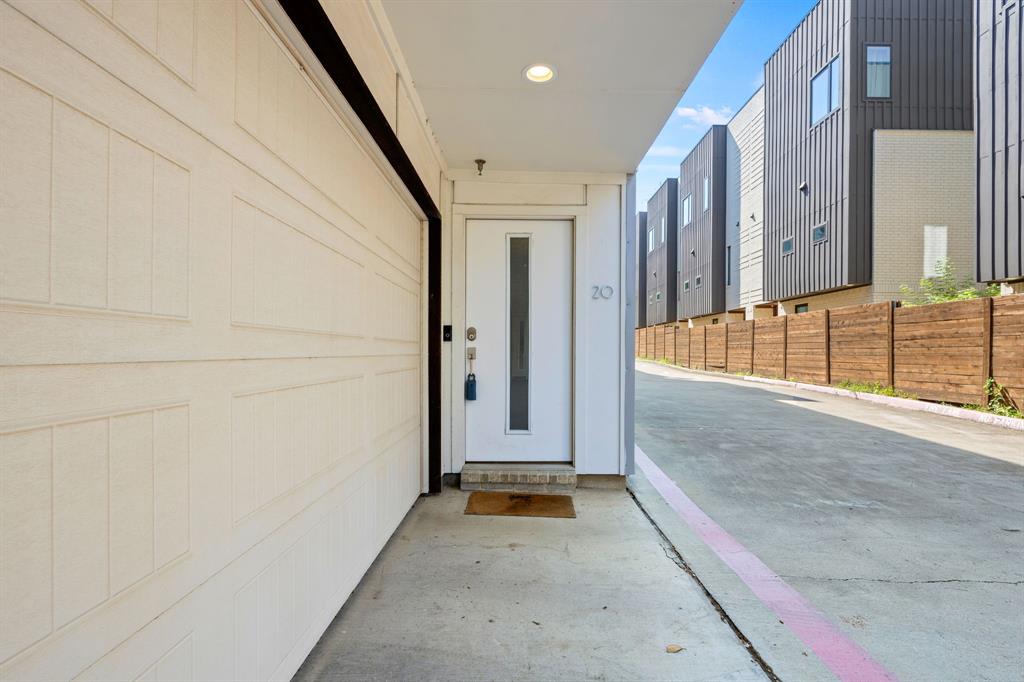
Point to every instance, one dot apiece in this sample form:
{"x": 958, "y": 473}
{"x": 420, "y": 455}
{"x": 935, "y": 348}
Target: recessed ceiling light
{"x": 539, "y": 73}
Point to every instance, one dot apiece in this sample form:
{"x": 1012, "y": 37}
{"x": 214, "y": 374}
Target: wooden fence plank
{"x": 1007, "y": 366}
{"x": 859, "y": 341}
{"x": 740, "y": 347}
{"x": 769, "y": 354}
{"x": 933, "y": 358}
{"x": 714, "y": 348}
{"x": 807, "y": 346}
{"x": 698, "y": 348}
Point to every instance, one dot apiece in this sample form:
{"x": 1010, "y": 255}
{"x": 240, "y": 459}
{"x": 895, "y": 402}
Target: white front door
{"x": 519, "y": 304}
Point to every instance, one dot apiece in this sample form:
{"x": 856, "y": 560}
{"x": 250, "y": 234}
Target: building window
{"x": 707, "y": 192}
{"x": 657, "y": 296}
{"x": 650, "y": 240}
{"x": 879, "y": 70}
{"x": 801, "y": 308}
{"x": 787, "y": 246}
{"x": 697, "y": 281}
{"x": 650, "y": 298}
{"x": 662, "y": 228}
{"x": 714, "y": 320}
{"x": 935, "y": 245}
{"x": 687, "y": 210}
{"x": 686, "y": 285}
{"x": 819, "y": 233}
{"x": 825, "y": 90}
{"x": 728, "y": 266}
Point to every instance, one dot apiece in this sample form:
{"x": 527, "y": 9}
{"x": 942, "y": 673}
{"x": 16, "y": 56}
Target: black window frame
{"x": 867, "y": 95}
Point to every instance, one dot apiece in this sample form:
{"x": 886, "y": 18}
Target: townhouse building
{"x": 868, "y": 152}
{"x": 248, "y": 259}
{"x": 662, "y": 253}
{"x": 744, "y": 211}
{"x": 702, "y": 248}
{"x": 1000, "y": 187}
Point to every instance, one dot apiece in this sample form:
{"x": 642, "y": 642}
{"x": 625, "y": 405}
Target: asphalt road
{"x": 904, "y": 530}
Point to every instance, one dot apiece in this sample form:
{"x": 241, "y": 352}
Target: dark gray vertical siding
{"x": 705, "y": 235}
{"x": 641, "y": 269}
{"x": 661, "y": 261}
{"x": 930, "y": 90}
{"x": 1000, "y": 139}
{"x": 797, "y": 153}
{"x": 933, "y": 90}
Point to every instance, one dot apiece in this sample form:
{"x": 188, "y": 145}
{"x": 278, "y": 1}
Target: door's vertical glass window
{"x": 879, "y": 70}
{"x": 519, "y": 334}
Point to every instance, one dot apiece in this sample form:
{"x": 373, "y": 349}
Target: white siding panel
{"x": 131, "y": 499}
{"x": 170, "y": 238}
{"x": 206, "y": 431}
{"x": 81, "y": 497}
{"x": 25, "y": 539}
{"x": 130, "y": 229}
{"x": 80, "y": 190}
{"x": 26, "y": 123}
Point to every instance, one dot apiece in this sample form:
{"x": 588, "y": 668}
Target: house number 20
{"x": 598, "y": 292}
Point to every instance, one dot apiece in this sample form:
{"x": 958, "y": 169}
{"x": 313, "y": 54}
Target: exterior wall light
{"x": 539, "y": 73}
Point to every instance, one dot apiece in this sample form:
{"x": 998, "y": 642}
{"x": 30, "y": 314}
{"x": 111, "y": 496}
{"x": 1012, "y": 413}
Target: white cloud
{"x": 666, "y": 150}
{"x": 704, "y": 115}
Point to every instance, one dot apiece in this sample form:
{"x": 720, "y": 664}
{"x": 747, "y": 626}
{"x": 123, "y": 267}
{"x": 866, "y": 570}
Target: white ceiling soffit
{"x": 621, "y": 66}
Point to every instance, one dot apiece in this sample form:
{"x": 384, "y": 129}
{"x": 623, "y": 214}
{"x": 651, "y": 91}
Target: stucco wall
{"x": 211, "y": 309}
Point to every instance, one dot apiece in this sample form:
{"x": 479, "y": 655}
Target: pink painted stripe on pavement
{"x": 839, "y": 653}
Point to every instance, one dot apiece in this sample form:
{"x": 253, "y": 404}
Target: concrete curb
{"x": 890, "y": 401}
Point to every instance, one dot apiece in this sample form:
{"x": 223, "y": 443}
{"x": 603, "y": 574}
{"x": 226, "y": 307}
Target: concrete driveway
{"x": 902, "y": 531}
{"x": 598, "y": 597}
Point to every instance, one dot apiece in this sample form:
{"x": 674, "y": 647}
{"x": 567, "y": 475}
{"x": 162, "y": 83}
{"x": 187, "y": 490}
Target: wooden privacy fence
{"x": 944, "y": 352}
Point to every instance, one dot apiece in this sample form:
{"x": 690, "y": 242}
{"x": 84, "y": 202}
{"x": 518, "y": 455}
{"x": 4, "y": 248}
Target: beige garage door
{"x": 210, "y": 305}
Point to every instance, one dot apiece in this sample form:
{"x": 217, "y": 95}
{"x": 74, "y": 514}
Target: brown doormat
{"x": 487, "y": 503}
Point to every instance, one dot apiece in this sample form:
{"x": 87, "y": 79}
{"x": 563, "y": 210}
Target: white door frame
{"x": 577, "y": 215}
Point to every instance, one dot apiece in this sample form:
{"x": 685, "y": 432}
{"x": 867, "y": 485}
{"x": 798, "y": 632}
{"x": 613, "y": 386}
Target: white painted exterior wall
{"x": 744, "y": 199}
{"x": 210, "y": 339}
{"x": 596, "y": 205}
{"x": 212, "y": 313}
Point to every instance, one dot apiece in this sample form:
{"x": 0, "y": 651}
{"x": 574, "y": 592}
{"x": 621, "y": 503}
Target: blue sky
{"x": 731, "y": 74}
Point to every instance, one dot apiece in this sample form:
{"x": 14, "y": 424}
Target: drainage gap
{"x": 673, "y": 554}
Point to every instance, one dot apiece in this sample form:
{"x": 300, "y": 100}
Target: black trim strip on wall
{"x": 318, "y": 32}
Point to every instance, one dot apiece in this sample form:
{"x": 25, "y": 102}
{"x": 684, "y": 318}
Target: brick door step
{"x": 555, "y": 479}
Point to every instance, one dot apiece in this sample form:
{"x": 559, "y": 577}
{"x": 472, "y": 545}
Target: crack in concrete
{"x": 894, "y": 581}
{"x": 675, "y": 557}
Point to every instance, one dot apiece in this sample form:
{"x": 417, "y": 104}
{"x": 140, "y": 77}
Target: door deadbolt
{"x": 471, "y": 334}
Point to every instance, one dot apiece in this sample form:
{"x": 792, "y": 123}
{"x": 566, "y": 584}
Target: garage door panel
{"x": 211, "y": 346}
{"x": 195, "y": 479}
